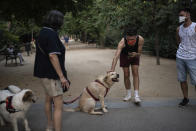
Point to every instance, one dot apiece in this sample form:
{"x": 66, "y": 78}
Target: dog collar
{"x": 9, "y": 106}
{"x": 96, "y": 99}
{"x": 107, "y": 89}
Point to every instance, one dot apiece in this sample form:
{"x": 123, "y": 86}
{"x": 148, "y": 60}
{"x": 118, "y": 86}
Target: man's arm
{"x": 178, "y": 37}
{"x": 55, "y": 62}
{"x": 195, "y": 28}
{"x": 140, "y": 45}
{"x": 117, "y": 54}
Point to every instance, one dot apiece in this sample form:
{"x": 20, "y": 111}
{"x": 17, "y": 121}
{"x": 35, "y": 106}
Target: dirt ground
{"x": 84, "y": 65}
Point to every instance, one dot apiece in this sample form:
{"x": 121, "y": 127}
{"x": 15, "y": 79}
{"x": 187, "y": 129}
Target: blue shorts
{"x": 184, "y": 67}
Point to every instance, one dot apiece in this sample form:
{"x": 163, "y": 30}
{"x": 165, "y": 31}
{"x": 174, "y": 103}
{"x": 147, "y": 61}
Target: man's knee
{"x": 126, "y": 75}
{"x": 58, "y": 101}
{"x": 184, "y": 84}
{"x": 135, "y": 73}
{"x": 48, "y": 98}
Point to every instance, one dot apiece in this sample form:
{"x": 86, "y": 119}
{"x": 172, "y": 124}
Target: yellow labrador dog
{"x": 96, "y": 91}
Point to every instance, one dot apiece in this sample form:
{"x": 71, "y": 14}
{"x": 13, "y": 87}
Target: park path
{"x": 159, "y": 90}
{"x": 84, "y": 65}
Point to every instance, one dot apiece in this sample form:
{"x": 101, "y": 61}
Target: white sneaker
{"x": 49, "y": 129}
{"x": 127, "y": 98}
{"x": 137, "y": 99}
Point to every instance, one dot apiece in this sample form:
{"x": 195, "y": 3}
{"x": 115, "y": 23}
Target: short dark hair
{"x": 130, "y": 31}
{"x": 185, "y": 10}
{"x": 54, "y": 19}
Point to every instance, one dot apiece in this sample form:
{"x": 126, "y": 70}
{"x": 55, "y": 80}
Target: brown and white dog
{"x": 14, "y": 104}
{"x": 96, "y": 91}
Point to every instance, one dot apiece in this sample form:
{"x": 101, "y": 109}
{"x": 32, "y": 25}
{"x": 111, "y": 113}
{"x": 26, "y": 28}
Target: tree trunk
{"x": 101, "y": 40}
{"x": 157, "y": 48}
{"x": 85, "y": 37}
{"x": 102, "y": 44}
{"x": 156, "y": 35}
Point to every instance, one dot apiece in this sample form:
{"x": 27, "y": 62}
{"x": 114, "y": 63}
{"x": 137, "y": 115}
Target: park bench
{"x": 4, "y": 52}
{"x": 11, "y": 57}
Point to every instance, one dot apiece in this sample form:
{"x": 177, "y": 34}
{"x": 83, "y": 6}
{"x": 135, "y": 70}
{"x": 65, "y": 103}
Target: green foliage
{"x": 105, "y": 20}
{"x": 23, "y": 10}
{"x": 26, "y": 16}
{"x": 5, "y": 36}
{"x": 12, "y": 32}
{"x": 100, "y": 21}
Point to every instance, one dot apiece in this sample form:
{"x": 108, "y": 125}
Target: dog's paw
{"x": 96, "y": 113}
{"x": 105, "y": 110}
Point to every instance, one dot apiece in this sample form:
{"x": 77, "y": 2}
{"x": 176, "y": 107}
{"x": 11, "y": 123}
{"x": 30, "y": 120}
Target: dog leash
{"x": 72, "y": 101}
{"x": 96, "y": 99}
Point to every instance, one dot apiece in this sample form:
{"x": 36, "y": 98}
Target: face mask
{"x": 131, "y": 42}
{"x": 181, "y": 19}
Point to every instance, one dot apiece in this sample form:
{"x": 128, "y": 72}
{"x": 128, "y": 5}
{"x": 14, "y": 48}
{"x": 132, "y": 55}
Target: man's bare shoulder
{"x": 121, "y": 43}
{"x": 141, "y": 39}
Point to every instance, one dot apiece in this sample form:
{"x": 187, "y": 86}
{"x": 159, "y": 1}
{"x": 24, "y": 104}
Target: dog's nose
{"x": 118, "y": 75}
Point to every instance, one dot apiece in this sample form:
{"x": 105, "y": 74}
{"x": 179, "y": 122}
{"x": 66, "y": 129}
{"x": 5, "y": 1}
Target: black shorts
{"x": 126, "y": 61}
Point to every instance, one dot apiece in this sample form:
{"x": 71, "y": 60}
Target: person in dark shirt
{"x": 66, "y": 40}
{"x": 50, "y": 68}
{"x": 28, "y": 48}
{"x": 129, "y": 51}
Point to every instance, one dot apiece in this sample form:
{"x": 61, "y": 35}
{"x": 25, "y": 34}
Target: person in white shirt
{"x": 12, "y": 51}
{"x": 186, "y": 53}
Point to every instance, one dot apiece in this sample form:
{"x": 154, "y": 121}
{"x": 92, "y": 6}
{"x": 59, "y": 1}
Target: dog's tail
{"x": 72, "y": 109}
{"x": 13, "y": 89}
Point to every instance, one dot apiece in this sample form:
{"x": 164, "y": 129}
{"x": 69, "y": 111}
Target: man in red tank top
{"x": 129, "y": 50}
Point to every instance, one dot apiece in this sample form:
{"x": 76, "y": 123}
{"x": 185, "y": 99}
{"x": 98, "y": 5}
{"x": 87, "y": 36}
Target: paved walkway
{"x": 159, "y": 89}
{"x": 153, "y": 115}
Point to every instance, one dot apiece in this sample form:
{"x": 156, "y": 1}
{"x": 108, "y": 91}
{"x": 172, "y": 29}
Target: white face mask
{"x": 181, "y": 19}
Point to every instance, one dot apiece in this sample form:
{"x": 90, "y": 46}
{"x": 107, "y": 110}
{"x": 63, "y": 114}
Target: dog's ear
{"x": 27, "y": 96}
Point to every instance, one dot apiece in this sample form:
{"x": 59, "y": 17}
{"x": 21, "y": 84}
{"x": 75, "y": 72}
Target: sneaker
{"x": 137, "y": 99}
{"x": 184, "y": 102}
{"x": 127, "y": 98}
{"x": 49, "y": 129}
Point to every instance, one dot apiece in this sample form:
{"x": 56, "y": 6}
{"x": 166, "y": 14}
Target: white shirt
{"x": 187, "y": 47}
{"x": 10, "y": 50}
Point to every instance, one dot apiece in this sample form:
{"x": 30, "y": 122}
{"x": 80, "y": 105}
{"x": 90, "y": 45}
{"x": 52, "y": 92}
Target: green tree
{"x": 26, "y": 16}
